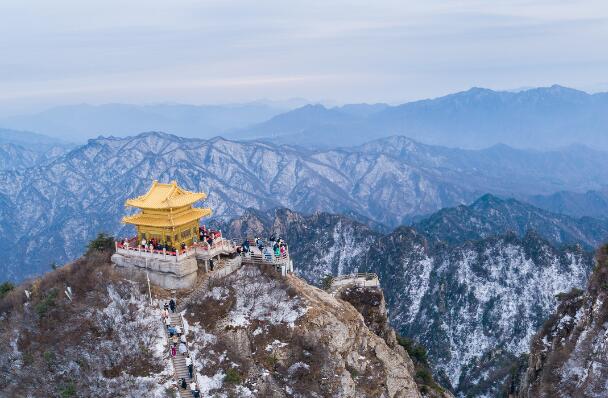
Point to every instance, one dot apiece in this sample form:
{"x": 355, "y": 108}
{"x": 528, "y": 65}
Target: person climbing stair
{"x": 172, "y": 305}
{"x": 189, "y": 365}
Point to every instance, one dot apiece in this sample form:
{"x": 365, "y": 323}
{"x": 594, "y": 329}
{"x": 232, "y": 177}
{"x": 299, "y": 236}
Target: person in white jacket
{"x": 189, "y": 365}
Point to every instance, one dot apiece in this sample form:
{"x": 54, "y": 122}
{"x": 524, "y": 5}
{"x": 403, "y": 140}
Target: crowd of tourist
{"x": 208, "y": 235}
{"x": 276, "y": 246}
{"x": 178, "y": 344}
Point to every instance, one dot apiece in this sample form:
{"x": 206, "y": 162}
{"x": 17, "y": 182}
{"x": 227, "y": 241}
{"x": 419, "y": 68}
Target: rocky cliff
{"x": 370, "y": 303}
{"x": 280, "y": 337}
{"x": 569, "y": 355}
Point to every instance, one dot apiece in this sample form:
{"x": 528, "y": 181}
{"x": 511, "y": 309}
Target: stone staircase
{"x": 179, "y": 361}
{"x": 223, "y": 268}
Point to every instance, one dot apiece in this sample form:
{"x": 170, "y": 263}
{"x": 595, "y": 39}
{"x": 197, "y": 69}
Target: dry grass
{"x": 51, "y": 331}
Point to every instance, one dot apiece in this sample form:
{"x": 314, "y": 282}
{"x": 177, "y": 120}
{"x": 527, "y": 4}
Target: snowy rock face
{"x": 473, "y": 303}
{"x": 476, "y": 305}
{"x": 569, "y": 355}
{"x": 14, "y": 157}
{"x": 327, "y": 244}
{"x": 257, "y": 334}
{"x": 48, "y": 212}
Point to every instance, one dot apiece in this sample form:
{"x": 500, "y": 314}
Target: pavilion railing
{"x": 132, "y": 248}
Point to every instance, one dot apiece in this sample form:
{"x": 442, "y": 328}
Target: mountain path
{"x": 179, "y": 361}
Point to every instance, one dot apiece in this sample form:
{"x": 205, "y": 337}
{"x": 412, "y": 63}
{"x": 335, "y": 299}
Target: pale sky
{"x": 203, "y": 52}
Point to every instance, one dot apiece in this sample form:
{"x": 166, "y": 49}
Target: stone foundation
{"x": 168, "y": 274}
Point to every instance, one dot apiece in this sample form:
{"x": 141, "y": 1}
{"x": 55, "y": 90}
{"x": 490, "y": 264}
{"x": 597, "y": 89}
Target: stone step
{"x": 179, "y": 361}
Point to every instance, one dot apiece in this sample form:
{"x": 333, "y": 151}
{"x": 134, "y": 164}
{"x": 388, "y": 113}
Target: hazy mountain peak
{"x": 160, "y": 135}
{"x": 477, "y": 91}
{"x": 487, "y": 200}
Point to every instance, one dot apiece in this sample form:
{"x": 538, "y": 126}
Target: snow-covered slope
{"x": 108, "y": 341}
{"x": 476, "y": 305}
{"x": 569, "y": 354}
{"x": 285, "y": 338}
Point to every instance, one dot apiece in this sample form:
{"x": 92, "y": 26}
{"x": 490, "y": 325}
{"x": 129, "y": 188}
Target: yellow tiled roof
{"x": 165, "y": 196}
{"x": 168, "y": 220}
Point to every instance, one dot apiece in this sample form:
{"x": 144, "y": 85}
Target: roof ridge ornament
{"x": 166, "y": 196}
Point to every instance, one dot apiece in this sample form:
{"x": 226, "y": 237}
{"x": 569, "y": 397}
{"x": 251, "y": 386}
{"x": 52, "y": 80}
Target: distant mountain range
{"x": 34, "y": 141}
{"x": 52, "y": 209}
{"x": 77, "y": 123}
{"x": 540, "y": 118}
{"x": 546, "y": 117}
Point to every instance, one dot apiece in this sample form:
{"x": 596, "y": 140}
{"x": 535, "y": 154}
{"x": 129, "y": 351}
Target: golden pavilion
{"x": 167, "y": 214}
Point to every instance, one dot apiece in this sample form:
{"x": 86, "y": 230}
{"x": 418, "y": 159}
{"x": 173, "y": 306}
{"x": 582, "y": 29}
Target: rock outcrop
{"x": 280, "y": 337}
{"x": 370, "y": 303}
{"x": 569, "y": 355}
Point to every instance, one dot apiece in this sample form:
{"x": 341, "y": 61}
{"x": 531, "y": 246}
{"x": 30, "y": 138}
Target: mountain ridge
{"x": 495, "y": 216}
{"x": 567, "y": 354}
{"x": 81, "y": 121}
{"x": 253, "y": 332}
{"x": 68, "y": 200}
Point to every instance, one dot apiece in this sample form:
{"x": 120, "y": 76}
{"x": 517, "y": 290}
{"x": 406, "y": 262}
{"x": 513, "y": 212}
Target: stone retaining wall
{"x": 173, "y": 274}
